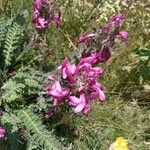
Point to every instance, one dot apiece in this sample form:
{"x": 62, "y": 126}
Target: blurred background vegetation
{"x": 127, "y": 74}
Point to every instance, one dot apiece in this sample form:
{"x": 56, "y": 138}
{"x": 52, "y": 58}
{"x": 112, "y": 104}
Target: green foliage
{"x": 11, "y": 38}
{"x": 3, "y": 30}
{"x": 144, "y": 58}
{"x": 114, "y": 119}
{"x": 11, "y": 42}
{"x": 3, "y": 23}
{"x": 12, "y": 90}
{"x": 21, "y": 86}
{"x": 126, "y": 73}
{"x": 37, "y": 133}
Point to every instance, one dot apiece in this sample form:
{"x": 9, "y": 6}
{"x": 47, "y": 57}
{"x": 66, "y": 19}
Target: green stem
{"x": 67, "y": 37}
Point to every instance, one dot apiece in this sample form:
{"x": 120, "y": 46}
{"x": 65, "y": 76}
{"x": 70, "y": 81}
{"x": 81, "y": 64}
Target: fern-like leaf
{"x": 11, "y": 42}
{"x": 39, "y": 136}
{"x": 12, "y": 91}
{"x": 2, "y": 29}
{"x": 20, "y": 86}
{"x": 10, "y": 122}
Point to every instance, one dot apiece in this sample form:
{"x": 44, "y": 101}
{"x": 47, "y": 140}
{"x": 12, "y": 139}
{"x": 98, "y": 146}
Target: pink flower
{"x": 123, "y": 35}
{"x": 37, "y": 4}
{"x": 68, "y": 70}
{"x": 89, "y": 60}
{"x": 80, "y": 80}
{"x": 57, "y": 92}
{"x": 2, "y": 132}
{"x": 42, "y": 17}
{"x": 98, "y": 92}
{"x": 115, "y": 21}
{"x": 87, "y": 109}
{"x": 80, "y": 104}
{"x": 40, "y": 23}
{"x": 86, "y": 37}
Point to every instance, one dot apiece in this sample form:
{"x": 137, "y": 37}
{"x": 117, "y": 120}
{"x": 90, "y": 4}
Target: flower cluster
{"x": 115, "y": 22}
{"x": 45, "y": 12}
{"x": 78, "y": 83}
{"x": 106, "y": 39}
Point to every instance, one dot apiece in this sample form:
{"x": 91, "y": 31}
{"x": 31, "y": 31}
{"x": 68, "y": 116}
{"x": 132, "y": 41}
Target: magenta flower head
{"x": 43, "y": 16}
{"x": 37, "y": 5}
{"x": 123, "y": 36}
{"x": 115, "y": 21}
{"x": 2, "y": 132}
{"x": 40, "y": 22}
{"x": 79, "y": 80}
{"x": 86, "y": 38}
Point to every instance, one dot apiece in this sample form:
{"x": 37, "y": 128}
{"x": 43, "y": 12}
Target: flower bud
{"x": 123, "y": 36}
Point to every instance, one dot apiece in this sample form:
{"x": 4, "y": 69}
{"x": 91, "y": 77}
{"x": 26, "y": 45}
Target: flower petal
{"x": 74, "y": 100}
{"x": 79, "y": 108}
{"x": 57, "y": 86}
{"x": 86, "y": 109}
{"x": 101, "y": 95}
{"x": 72, "y": 68}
